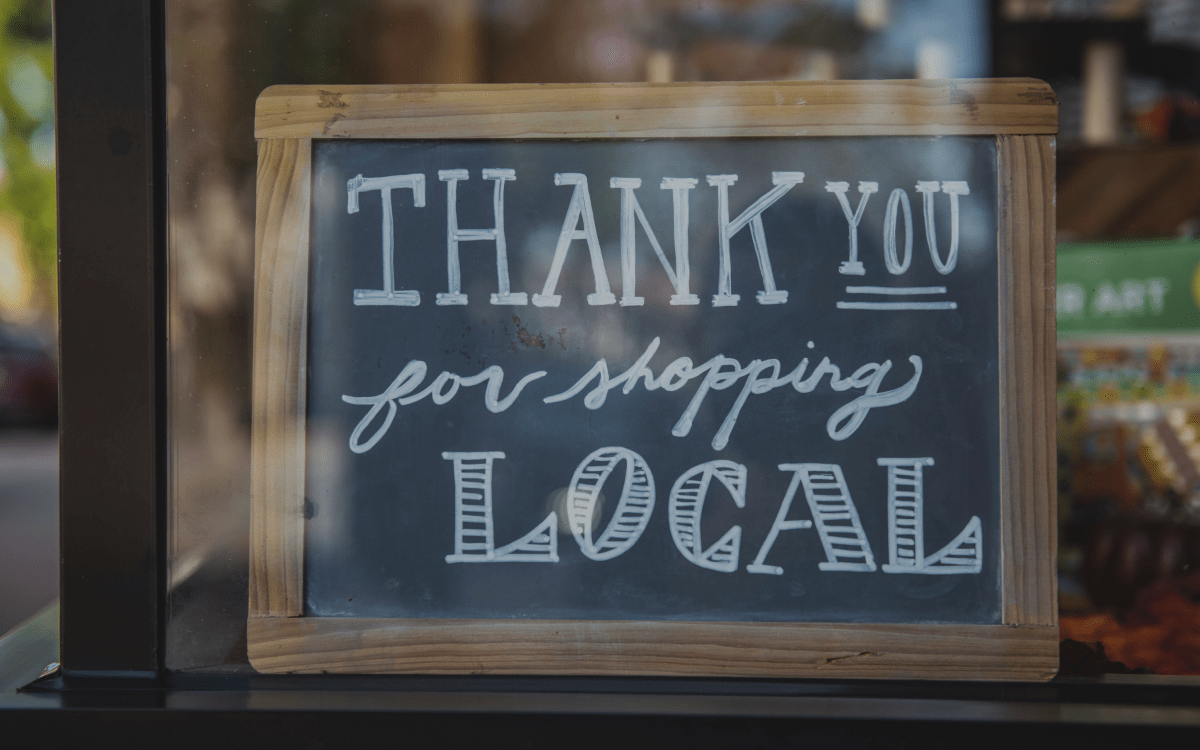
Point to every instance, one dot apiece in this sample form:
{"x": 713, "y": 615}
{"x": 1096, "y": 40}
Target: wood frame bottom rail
{"x": 652, "y": 648}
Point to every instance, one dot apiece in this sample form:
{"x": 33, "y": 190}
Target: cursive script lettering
{"x": 761, "y": 376}
{"x": 442, "y": 389}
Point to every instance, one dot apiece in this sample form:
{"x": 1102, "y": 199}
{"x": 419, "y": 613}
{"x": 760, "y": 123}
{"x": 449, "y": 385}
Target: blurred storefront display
{"x": 1129, "y": 451}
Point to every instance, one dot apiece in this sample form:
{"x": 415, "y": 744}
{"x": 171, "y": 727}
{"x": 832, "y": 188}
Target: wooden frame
{"x": 1021, "y": 113}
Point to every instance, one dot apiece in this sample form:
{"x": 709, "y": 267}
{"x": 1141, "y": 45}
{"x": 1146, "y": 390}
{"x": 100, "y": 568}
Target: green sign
{"x": 1129, "y": 287}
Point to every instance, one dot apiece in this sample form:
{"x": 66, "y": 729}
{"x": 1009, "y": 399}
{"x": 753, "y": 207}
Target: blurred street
{"x": 28, "y": 523}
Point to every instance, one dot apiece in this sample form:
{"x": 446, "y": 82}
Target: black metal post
{"x": 109, "y": 68}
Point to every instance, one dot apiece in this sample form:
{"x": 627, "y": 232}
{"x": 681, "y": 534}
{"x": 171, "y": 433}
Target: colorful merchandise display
{"x": 1129, "y": 451}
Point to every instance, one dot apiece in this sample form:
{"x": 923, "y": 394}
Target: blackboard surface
{"x": 381, "y": 522}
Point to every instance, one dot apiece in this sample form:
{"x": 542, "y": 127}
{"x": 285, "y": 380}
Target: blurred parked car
{"x": 28, "y": 379}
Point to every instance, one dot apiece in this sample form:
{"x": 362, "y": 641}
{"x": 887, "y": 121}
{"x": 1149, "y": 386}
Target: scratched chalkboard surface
{"x": 731, "y": 380}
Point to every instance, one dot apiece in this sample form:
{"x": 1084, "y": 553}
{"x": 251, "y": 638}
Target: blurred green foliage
{"x": 27, "y": 132}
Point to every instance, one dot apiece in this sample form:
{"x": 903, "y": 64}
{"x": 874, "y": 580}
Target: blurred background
{"x": 1127, "y": 73}
{"x": 28, "y": 319}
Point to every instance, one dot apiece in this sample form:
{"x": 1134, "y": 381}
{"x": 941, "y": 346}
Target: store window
{"x": 1126, "y": 73}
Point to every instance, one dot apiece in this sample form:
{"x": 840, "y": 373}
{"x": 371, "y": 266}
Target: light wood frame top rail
{"x": 1011, "y": 106}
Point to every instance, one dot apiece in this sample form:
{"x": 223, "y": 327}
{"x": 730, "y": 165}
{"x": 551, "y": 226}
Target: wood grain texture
{"x": 947, "y": 652}
{"x": 685, "y": 110}
{"x": 278, "y": 430}
{"x": 1028, "y": 463}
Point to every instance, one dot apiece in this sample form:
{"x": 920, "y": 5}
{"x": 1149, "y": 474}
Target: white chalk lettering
{"x": 455, "y": 235}
{"x": 631, "y": 209}
{"x": 783, "y": 181}
{"x": 633, "y": 510}
{"x": 686, "y": 504}
{"x": 843, "y": 422}
{"x": 853, "y": 266}
{"x": 895, "y": 266}
{"x": 680, "y": 188}
{"x": 474, "y": 539}
{"x": 836, "y": 518}
{"x": 781, "y": 524}
{"x": 906, "y": 527}
{"x": 762, "y": 376}
{"x": 579, "y": 209}
{"x": 954, "y": 190}
{"x": 897, "y": 305}
{"x": 410, "y": 378}
{"x": 389, "y": 295}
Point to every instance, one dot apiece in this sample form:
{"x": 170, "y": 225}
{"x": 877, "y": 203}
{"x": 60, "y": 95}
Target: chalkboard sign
{"x": 743, "y": 380}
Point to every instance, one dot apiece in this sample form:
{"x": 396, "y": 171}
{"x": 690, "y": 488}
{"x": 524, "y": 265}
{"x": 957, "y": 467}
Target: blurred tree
{"x": 27, "y": 135}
